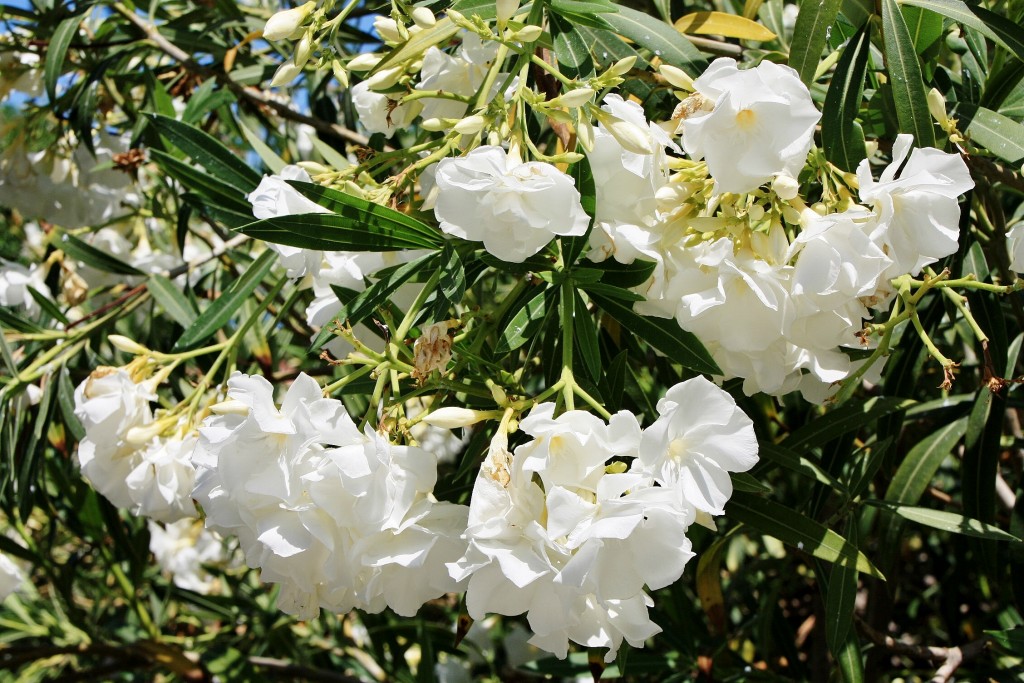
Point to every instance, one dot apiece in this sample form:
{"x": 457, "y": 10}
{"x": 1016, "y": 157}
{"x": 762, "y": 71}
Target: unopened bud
{"x": 231, "y": 406}
{"x": 435, "y": 125}
{"x": 631, "y": 137}
{"x": 457, "y": 18}
{"x": 621, "y": 67}
{"x": 127, "y": 345}
{"x": 506, "y": 10}
{"x": 937, "y": 108}
{"x": 497, "y": 393}
{"x": 785, "y": 186}
{"x": 585, "y": 134}
{"x": 382, "y": 80}
{"x": 284, "y": 24}
{"x": 453, "y": 418}
{"x": 387, "y": 29}
{"x": 423, "y": 17}
{"x": 302, "y": 51}
{"x": 364, "y": 62}
{"x": 676, "y": 77}
{"x": 312, "y": 168}
{"x": 471, "y": 125}
{"x": 574, "y": 98}
{"x": 528, "y": 34}
{"x": 285, "y": 74}
{"x": 146, "y": 433}
{"x": 340, "y": 72}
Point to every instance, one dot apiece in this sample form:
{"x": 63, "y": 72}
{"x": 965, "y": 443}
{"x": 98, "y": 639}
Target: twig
{"x": 950, "y": 657}
{"x": 252, "y": 94}
{"x": 716, "y": 47}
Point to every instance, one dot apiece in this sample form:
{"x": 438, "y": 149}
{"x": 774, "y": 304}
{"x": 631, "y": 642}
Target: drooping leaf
{"x": 353, "y": 230}
{"x": 905, "y": 77}
{"x": 227, "y": 304}
{"x": 56, "y": 51}
{"x": 849, "y": 417}
{"x": 948, "y": 521}
{"x": 999, "y": 134}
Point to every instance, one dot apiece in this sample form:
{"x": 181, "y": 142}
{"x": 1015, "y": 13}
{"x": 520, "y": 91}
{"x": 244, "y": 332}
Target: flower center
{"x": 745, "y": 119}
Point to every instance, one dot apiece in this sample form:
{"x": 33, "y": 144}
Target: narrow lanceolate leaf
{"x": 709, "y": 585}
{"x": 925, "y": 27}
{"x": 948, "y": 521}
{"x": 844, "y": 420}
{"x": 607, "y": 48}
{"x": 172, "y": 300}
{"x": 227, "y": 304}
{"x": 722, "y": 24}
{"x": 663, "y": 334}
{"x": 524, "y": 324}
{"x": 353, "y": 230}
{"x": 842, "y": 139}
{"x": 849, "y": 660}
{"x": 585, "y": 335}
{"x": 420, "y": 42}
{"x": 999, "y": 134}
{"x": 371, "y": 214}
{"x": 841, "y": 595}
{"x": 999, "y": 29}
{"x": 793, "y": 528}
{"x": 809, "y": 35}
{"x": 658, "y": 37}
{"x": 805, "y": 465}
{"x": 905, "y": 77}
{"x": 918, "y": 469}
{"x": 56, "y": 51}
{"x": 97, "y": 258}
{"x": 208, "y": 152}
{"x": 1012, "y": 639}
{"x": 571, "y": 50}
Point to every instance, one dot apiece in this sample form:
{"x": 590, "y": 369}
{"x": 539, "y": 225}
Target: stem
{"x": 347, "y": 379}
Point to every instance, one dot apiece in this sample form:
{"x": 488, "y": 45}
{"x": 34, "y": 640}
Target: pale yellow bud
{"x": 471, "y": 125}
{"x": 436, "y": 125}
{"x": 284, "y": 24}
{"x": 231, "y": 406}
{"x": 621, "y": 67}
{"x": 303, "y": 51}
{"x": 676, "y": 77}
{"x": 937, "y": 108}
{"x": 382, "y": 80}
{"x": 786, "y": 187}
{"x": 423, "y": 17}
{"x": 340, "y": 72}
{"x": 127, "y": 345}
{"x": 364, "y": 62}
{"x": 574, "y": 98}
{"x": 506, "y": 10}
{"x": 632, "y": 138}
{"x": 285, "y": 74}
{"x": 585, "y": 134}
{"x": 387, "y": 29}
{"x": 454, "y": 418}
{"x": 528, "y": 34}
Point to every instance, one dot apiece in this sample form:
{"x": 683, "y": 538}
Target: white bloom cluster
{"x": 148, "y": 474}
{"x": 183, "y": 549}
{"x": 338, "y": 517}
{"x": 773, "y": 307}
{"x": 571, "y": 527}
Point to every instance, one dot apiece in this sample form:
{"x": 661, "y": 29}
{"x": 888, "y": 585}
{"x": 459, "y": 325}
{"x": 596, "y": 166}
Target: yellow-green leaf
{"x": 722, "y": 24}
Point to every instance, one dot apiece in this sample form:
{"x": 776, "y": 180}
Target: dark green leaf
{"x": 663, "y": 334}
{"x": 91, "y": 256}
{"x": 842, "y": 139}
{"x": 848, "y": 418}
{"x": 524, "y": 324}
{"x": 227, "y": 304}
{"x": 217, "y": 195}
{"x": 607, "y": 48}
{"x": 999, "y": 134}
{"x": 56, "y": 51}
{"x": 947, "y": 521}
{"x": 172, "y": 300}
{"x": 586, "y": 338}
{"x": 925, "y": 27}
{"x": 1001, "y": 30}
{"x": 905, "y": 77}
{"x": 1012, "y": 639}
{"x": 583, "y": 176}
{"x": 626, "y": 275}
{"x": 208, "y": 152}
{"x": 658, "y": 37}
{"x": 742, "y": 481}
{"x": 806, "y": 465}
{"x": 809, "y": 34}
{"x": 796, "y": 530}
{"x": 918, "y": 468}
{"x": 841, "y": 596}
{"x": 353, "y": 230}
{"x": 453, "y": 274}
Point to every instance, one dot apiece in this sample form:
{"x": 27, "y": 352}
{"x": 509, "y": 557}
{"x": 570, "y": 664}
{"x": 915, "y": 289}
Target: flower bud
{"x": 423, "y": 17}
{"x": 453, "y": 417}
{"x": 364, "y": 62}
{"x": 632, "y": 138}
{"x": 341, "y": 73}
{"x": 435, "y": 125}
{"x": 574, "y": 98}
{"x": 528, "y": 34}
{"x": 231, "y": 406}
{"x": 283, "y": 24}
{"x": 303, "y": 51}
{"x": 585, "y": 134}
{"x": 621, "y": 67}
{"x": 471, "y": 125}
{"x": 387, "y": 29}
{"x": 676, "y": 77}
{"x": 285, "y": 74}
{"x": 937, "y": 108}
{"x": 457, "y": 18}
{"x": 382, "y": 80}
{"x": 785, "y": 186}
{"x": 506, "y": 10}
{"x": 146, "y": 433}
{"x": 127, "y": 345}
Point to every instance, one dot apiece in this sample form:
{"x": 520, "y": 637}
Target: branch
{"x": 950, "y": 657}
{"x": 251, "y": 94}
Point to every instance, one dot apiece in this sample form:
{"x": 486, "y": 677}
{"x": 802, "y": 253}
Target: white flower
{"x": 15, "y": 281}
{"x": 182, "y": 549}
{"x": 340, "y": 518}
{"x": 274, "y": 198}
{"x": 918, "y": 213}
{"x": 161, "y": 483}
{"x": 11, "y": 577}
{"x": 462, "y": 74}
{"x": 378, "y": 113}
{"x": 514, "y": 208}
{"x": 286, "y": 23}
{"x": 109, "y": 403}
{"x": 762, "y": 124}
{"x": 700, "y": 437}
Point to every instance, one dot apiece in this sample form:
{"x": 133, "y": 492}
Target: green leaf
{"x": 18, "y": 323}
{"x": 353, "y": 230}
{"x": 925, "y": 27}
{"x": 849, "y": 660}
{"x": 849, "y": 417}
{"x": 1012, "y": 639}
{"x": 227, "y": 304}
{"x": 742, "y": 481}
{"x": 453, "y": 274}
{"x": 269, "y": 157}
{"x": 442, "y": 31}
{"x": 205, "y": 99}
{"x": 663, "y": 334}
{"x": 585, "y": 336}
{"x": 905, "y": 77}
{"x": 805, "y": 465}
{"x": 373, "y": 297}
{"x": 208, "y": 152}
{"x": 840, "y": 134}
{"x": 524, "y": 323}
{"x": 583, "y": 13}
{"x": 999, "y": 134}
{"x": 999, "y": 29}
{"x": 218, "y": 195}
{"x": 91, "y": 256}
{"x": 796, "y": 530}
{"x": 56, "y": 51}
{"x": 607, "y": 48}
{"x": 626, "y": 275}
{"x": 658, "y": 37}
{"x": 583, "y": 177}
{"x": 809, "y": 35}
{"x": 841, "y": 596}
{"x": 947, "y": 521}
{"x": 172, "y": 300}
{"x": 919, "y": 466}
{"x": 571, "y": 51}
